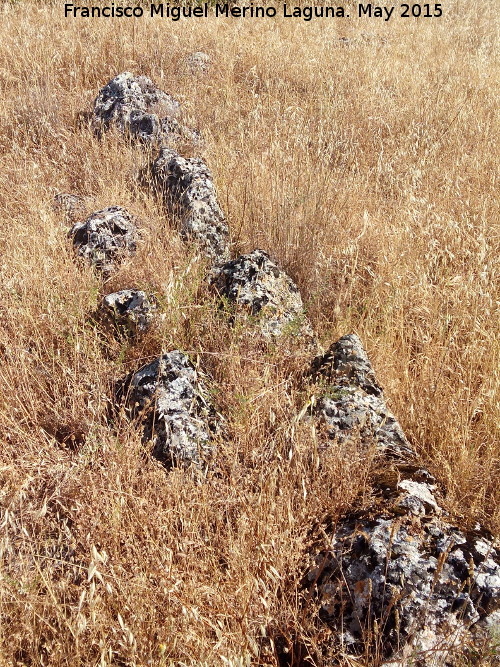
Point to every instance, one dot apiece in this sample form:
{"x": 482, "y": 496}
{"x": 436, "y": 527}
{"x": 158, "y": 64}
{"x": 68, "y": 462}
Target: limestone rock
{"x": 106, "y": 237}
{"x": 197, "y": 63}
{"x": 259, "y": 288}
{"x": 400, "y": 574}
{"x": 425, "y": 582}
{"x": 131, "y": 311}
{"x": 71, "y": 207}
{"x": 352, "y": 404}
{"x": 189, "y": 193}
{"x": 172, "y": 400}
{"x": 137, "y": 108}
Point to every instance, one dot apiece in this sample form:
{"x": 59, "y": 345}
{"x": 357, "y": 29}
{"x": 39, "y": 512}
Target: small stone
{"x": 106, "y": 238}
{"x": 189, "y": 193}
{"x": 131, "y": 311}
{"x": 136, "y": 107}
{"x": 197, "y": 63}
{"x": 260, "y": 289}
{"x": 173, "y": 403}
{"x": 71, "y": 207}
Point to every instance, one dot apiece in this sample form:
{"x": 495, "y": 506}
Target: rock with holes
{"x": 258, "y": 288}
{"x": 70, "y": 206}
{"x": 189, "y": 193}
{"x": 351, "y": 404}
{"x": 170, "y": 397}
{"x": 106, "y": 238}
{"x": 140, "y": 110}
{"x": 130, "y": 311}
{"x": 400, "y": 575}
{"x": 405, "y": 577}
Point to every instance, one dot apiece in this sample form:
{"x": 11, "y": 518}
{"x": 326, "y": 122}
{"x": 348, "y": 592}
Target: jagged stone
{"x": 106, "y": 237}
{"x": 178, "y": 419}
{"x": 131, "y": 311}
{"x": 140, "y": 110}
{"x": 401, "y": 574}
{"x": 71, "y": 207}
{"x": 352, "y": 404}
{"x": 259, "y": 288}
{"x": 189, "y": 193}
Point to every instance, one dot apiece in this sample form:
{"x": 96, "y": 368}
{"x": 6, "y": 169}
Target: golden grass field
{"x": 369, "y": 170}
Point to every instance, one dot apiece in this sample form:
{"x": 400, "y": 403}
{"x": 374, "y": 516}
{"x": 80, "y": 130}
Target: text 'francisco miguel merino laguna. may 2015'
{"x": 219, "y": 10}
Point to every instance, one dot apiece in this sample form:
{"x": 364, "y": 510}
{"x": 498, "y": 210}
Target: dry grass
{"x": 368, "y": 170}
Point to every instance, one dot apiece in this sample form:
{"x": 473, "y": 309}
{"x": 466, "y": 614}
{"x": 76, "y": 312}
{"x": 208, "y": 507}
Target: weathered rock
{"x": 407, "y": 578}
{"x": 189, "y": 193}
{"x": 197, "y": 63}
{"x": 131, "y": 311}
{"x": 259, "y": 288}
{"x": 71, "y": 207}
{"x": 137, "y": 108}
{"x": 178, "y": 419}
{"x": 352, "y": 404}
{"x": 106, "y": 238}
{"x": 400, "y": 575}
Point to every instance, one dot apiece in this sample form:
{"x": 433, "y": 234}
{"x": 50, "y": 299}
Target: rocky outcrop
{"x": 172, "y": 402}
{"x": 129, "y": 311}
{"x": 188, "y": 191}
{"x": 258, "y": 288}
{"x": 136, "y": 107}
{"x": 400, "y": 575}
{"x": 106, "y": 238}
{"x": 71, "y": 207}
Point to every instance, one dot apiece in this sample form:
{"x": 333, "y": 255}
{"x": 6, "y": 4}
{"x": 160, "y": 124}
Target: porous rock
{"x": 259, "y": 288}
{"x": 139, "y": 109}
{"x": 70, "y": 206}
{"x": 106, "y": 238}
{"x": 189, "y": 193}
{"x": 400, "y": 574}
{"x": 352, "y": 404}
{"x": 172, "y": 401}
{"x": 131, "y": 311}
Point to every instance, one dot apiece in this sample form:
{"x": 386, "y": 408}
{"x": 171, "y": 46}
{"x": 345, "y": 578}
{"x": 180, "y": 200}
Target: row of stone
{"x": 253, "y": 283}
{"x": 401, "y": 575}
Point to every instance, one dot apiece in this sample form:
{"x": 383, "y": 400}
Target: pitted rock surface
{"x": 140, "y": 110}
{"x": 429, "y": 586}
{"x": 427, "y": 583}
{"x": 189, "y": 193}
{"x": 106, "y": 238}
{"x": 178, "y": 419}
{"x": 353, "y": 404}
{"x": 71, "y": 207}
{"x": 259, "y": 288}
{"x": 131, "y": 311}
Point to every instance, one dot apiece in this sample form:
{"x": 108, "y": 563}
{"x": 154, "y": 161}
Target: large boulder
{"x": 139, "y": 109}
{"x": 169, "y": 396}
{"x": 400, "y": 575}
{"x": 130, "y": 311}
{"x": 189, "y": 193}
{"x": 106, "y": 238}
{"x": 259, "y": 289}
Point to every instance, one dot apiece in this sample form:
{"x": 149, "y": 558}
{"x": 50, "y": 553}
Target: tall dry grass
{"x": 368, "y": 169}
